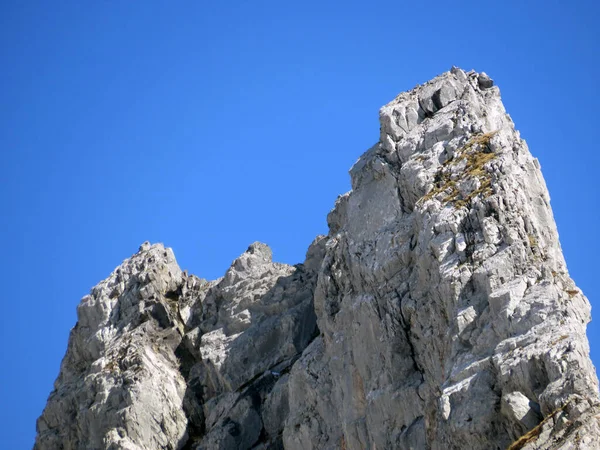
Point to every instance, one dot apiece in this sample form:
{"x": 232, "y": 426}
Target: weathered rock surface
{"x": 438, "y": 313}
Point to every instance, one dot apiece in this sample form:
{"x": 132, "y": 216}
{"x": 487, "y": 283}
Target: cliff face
{"x": 437, "y": 313}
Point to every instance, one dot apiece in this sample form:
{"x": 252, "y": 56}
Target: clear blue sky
{"x": 210, "y": 125}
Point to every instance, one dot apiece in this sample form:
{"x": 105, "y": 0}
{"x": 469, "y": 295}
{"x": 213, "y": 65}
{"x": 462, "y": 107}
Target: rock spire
{"x": 437, "y": 313}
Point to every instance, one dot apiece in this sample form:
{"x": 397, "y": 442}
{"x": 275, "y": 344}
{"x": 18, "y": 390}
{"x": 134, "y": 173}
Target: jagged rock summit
{"x": 437, "y": 313}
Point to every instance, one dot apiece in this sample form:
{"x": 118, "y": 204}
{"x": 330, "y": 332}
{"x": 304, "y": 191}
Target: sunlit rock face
{"x": 437, "y": 313}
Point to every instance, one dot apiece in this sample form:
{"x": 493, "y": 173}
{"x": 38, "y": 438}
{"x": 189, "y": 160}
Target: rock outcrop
{"x": 437, "y": 313}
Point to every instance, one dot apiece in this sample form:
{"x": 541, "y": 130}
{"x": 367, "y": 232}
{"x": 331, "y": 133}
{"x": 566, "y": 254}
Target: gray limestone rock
{"x": 437, "y": 313}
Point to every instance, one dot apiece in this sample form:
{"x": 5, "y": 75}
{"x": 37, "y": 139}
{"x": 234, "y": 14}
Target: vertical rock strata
{"x": 437, "y": 314}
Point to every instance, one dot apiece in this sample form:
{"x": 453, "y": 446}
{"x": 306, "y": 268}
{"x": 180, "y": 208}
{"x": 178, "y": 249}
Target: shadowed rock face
{"x": 438, "y": 313}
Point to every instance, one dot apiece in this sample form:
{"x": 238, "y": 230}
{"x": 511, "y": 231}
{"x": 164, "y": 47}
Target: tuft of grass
{"x": 476, "y": 161}
{"x": 112, "y": 366}
{"x": 477, "y": 154}
{"x": 562, "y": 338}
{"x": 533, "y": 243}
{"x": 527, "y": 438}
{"x": 532, "y": 435}
{"x": 481, "y": 139}
{"x": 572, "y": 292}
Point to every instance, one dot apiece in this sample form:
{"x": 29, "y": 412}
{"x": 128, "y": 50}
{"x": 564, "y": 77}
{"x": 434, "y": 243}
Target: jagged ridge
{"x": 438, "y": 313}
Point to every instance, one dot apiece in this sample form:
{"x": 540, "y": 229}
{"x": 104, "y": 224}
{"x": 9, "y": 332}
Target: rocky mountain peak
{"x": 438, "y": 313}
